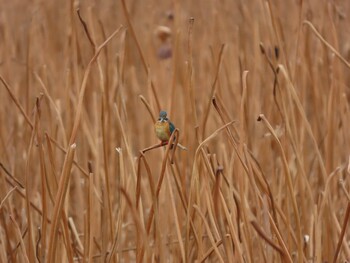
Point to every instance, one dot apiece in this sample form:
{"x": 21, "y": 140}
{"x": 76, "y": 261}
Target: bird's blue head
{"x": 163, "y": 115}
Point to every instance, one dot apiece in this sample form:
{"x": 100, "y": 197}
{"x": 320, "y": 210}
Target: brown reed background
{"x": 74, "y": 185}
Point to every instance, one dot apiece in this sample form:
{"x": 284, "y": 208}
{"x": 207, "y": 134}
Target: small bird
{"x": 163, "y": 127}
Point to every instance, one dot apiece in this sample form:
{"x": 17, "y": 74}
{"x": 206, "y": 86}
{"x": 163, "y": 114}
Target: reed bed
{"x": 258, "y": 91}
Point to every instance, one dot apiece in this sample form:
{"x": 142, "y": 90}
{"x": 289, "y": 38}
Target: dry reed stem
{"x": 52, "y": 186}
{"x": 266, "y": 238}
{"x": 103, "y": 124}
{"x": 175, "y": 73}
{"x": 91, "y": 221}
{"x": 230, "y": 134}
{"x": 29, "y": 122}
{"x": 291, "y": 89}
{"x": 19, "y": 236}
{"x": 105, "y": 160}
{"x": 210, "y": 212}
{"x": 189, "y": 82}
{"x": 210, "y": 234}
{"x": 177, "y": 223}
{"x": 161, "y": 177}
{"x": 83, "y": 171}
{"x": 289, "y": 123}
{"x": 275, "y": 73}
{"x": 194, "y": 182}
{"x": 290, "y": 186}
{"x": 31, "y": 250}
{"x": 180, "y": 188}
{"x": 43, "y": 175}
{"x": 210, "y": 251}
{"x": 7, "y": 196}
{"x": 262, "y": 182}
{"x": 275, "y": 23}
{"x": 75, "y": 233}
{"x": 148, "y": 107}
{"x": 145, "y": 65}
{"x": 213, "y": 88}
{"x": 59, "y": 200}
{"x": 233, "y": 232}
{"x": 16, "y": 101}
{"x": 342, "y": 59}
{"x": 342, "y": 233}
{"x": 84, "y": 83}
{"x": 121, "y": 204}
{"x": 86, "y": 30}
{"x": 59, "y": 117}
{"x": 11, "y": 176}
{"x": 142, "y": 235}
{"x": 286, "y": 254}
{"x": 149, "y": 175}
{"x": 125, "y": 140}
{"x": 24, "y": 196}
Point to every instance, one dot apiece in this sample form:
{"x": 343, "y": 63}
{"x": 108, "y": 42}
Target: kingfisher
{"x": 164, "y": 127}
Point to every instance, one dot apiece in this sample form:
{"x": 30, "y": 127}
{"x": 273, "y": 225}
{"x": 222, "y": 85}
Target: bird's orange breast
{"x": 162, "y": 130}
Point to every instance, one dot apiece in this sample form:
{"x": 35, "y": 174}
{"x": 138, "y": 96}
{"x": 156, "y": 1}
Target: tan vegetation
{"x": 259, "y": 92}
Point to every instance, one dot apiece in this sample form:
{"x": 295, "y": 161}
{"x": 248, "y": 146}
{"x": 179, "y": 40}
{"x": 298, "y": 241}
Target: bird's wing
{"x": 171, "y": 127}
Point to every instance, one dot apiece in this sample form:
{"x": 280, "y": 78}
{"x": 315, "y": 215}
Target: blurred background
{"x": 206, "y": 63}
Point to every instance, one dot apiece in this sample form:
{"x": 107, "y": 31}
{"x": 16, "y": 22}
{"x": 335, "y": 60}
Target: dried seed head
{"x": 170, "y": 15}
{"x": 165, "y": 51}
{"x": 163, "y": 33}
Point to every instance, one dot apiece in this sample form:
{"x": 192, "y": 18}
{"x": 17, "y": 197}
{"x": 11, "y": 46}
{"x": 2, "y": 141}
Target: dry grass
{"x": 259, "y": 92}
